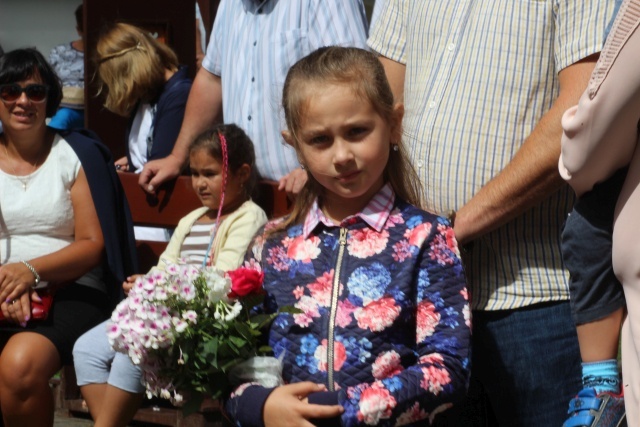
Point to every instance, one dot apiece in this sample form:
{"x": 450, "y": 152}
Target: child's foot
{"x": 589, "y": 409}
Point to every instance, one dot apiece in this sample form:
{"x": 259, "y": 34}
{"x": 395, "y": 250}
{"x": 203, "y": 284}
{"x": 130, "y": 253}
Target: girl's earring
{"x": 395, "y": 147}
{"x": 302, "y": 167}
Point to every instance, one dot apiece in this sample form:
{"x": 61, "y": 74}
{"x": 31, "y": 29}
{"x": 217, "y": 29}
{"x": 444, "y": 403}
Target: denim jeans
{"x": 527, "y": 362}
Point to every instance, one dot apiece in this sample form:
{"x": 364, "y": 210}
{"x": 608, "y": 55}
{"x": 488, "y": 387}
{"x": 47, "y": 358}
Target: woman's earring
{"x": 302, "y": 166}
{"x": 395, "y": 147}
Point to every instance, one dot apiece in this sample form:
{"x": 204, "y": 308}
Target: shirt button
{"x": 255, "y": 43}
{"x": 451, "y": 46}
{"x": 419, "y": 163}
{"x": 249, "y": 118}
{"x": 432, "y": 104}
{"x": 253, "y": 79}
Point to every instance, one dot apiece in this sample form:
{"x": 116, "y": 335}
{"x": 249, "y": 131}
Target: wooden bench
{"x": 164, "y": 210}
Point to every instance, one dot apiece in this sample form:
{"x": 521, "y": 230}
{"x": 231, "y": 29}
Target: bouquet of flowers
{"x": 187, "y": 327}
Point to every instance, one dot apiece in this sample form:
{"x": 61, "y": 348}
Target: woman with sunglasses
{"x": 63, "y": 229}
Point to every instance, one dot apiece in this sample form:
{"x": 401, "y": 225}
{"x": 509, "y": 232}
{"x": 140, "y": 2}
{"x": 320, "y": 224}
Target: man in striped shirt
{"x": 253, "y": 45}
{"x": 485, "y": 84}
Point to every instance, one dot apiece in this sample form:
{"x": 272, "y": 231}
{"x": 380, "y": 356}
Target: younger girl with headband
{"x": 223, "y": 175}
{"x": 384, "y": 329}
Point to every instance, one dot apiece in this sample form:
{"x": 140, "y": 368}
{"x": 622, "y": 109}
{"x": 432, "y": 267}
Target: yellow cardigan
{"x": 232, "y": 239}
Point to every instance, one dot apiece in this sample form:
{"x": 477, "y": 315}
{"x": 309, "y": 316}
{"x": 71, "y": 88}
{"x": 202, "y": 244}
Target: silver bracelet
{"x": 33, "y": 270}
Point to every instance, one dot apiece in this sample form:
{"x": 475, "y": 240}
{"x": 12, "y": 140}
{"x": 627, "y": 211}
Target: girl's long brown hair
{"x": 363, "y": 72}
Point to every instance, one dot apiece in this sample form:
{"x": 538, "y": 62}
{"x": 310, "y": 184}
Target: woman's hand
{"x": 128, "y": 284}
{"x": 287, "y": 406}
{"x": 19, "y": 310}
{"x": 15, "y": 280}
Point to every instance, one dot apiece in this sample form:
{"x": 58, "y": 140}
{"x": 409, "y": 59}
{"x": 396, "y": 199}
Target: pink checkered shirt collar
{"x": 375, "y": 214}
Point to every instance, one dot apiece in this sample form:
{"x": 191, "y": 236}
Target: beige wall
{"x": 37, "y": 23}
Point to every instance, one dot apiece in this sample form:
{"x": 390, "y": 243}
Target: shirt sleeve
{"x": 439, "y": 378}
{"x": 237, "y": 238}
{"x": 337, "y": 23}
{"x": 600, "y": 133}
{"x": 54, "y": 58}
{"x": 579, "y": 29}
{"x": 213, "y": 55}
{"x": 387, "y": 36}
{"x": 168, "y": 120}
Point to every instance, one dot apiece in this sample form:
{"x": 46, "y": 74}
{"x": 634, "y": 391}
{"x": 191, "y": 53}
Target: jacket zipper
{"x": 335, "y": 290}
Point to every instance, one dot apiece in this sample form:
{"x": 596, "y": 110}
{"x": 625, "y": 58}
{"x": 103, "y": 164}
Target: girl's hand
{"x": 128, "y": 284}
{"x": 15, "y": 280}
{"x": 287, "y": 406}
{"x": 122, "y": 164}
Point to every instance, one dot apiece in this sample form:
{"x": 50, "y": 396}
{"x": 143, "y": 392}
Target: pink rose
{"x": 245, "y": 281}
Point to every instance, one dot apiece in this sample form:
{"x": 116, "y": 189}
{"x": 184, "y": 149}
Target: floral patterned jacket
{"x": 385, "y": 320}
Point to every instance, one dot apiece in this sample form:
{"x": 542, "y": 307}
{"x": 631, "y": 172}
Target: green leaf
{"x": 252, "y": 300}
{"x": 265, "y": 349}
{"x": 261, "y": 319}
{"x": 239, "y": 342}
{"x": 243, "y": 329}
{"x": 289, "y": 309}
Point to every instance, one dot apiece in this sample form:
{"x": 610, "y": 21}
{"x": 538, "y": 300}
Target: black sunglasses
{"x": 11, "y": 92}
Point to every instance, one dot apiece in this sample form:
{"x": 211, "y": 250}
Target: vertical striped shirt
{"x": 253, "y": 45}
{"x": 479, "y": 76}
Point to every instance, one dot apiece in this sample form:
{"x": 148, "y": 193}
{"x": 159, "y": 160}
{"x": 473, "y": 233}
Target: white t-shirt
{"x": 36, "y": 213}
{"x": 141, "y": 136}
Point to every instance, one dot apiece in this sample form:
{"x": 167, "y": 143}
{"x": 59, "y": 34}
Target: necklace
{"x": 23, "y": 181}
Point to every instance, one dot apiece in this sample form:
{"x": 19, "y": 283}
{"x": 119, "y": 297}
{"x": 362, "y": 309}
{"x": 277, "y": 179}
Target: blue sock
{"x": 603, "y": 376}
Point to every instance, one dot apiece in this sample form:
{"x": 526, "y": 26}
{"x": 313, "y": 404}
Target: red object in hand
{"x": 245, "y": 281}
{"x": 39, "y": 310}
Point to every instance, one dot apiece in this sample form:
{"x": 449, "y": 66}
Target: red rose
{"x": 245, "y": 281}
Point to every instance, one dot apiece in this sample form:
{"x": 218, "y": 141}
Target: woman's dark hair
{"x": 22, "y": 64}
{"x": 239, "y": 150}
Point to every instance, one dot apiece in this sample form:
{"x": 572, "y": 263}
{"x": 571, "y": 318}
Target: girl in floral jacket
{"x": 382, "y": 336}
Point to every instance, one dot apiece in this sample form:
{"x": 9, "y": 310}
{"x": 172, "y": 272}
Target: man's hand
{"x": 158, "y": 171}
{"x": 286, "y": 406}
{"x": 293, "y": 182}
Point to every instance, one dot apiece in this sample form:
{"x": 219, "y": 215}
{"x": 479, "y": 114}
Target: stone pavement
{"x": 62, "y": 420}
